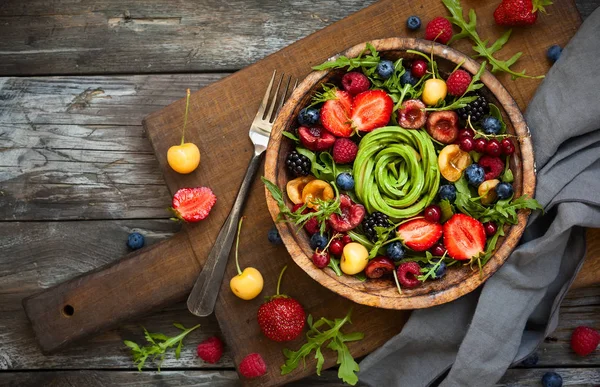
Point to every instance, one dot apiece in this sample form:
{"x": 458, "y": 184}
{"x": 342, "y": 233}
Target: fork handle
{"x": 203, "y": 297}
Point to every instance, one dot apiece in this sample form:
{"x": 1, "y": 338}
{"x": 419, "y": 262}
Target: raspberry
{"x": 210, "y": 350}
{"x": 407, "y": 274}
{"x": 439, "y": 29}
{"x": 344, "y": 151}
{"x": 355, "y": 82}
{"x": 312, "y": 226}
{"x": 492, "y": 166}
{"x": 252, "y": 366}
{"x": 458, "y": 82}
{"x": 584, "y": 340}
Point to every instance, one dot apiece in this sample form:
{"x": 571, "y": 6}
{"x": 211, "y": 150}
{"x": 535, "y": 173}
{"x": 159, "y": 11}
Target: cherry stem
{"x": 397, "y": 283}
{"x": 237, "y": 245}
{"x": 279, "y": 280}
{"x": 187, "y": 106}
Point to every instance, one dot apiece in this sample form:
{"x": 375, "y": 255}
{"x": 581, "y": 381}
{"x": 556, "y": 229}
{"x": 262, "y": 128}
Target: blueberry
{"x": 318, "y": 241}
{"x": 440, "y": 271}
{"x": 504, "y": 190}
{"x": 413, "y": 23}
{"x": 553, "y": 53}
{"x": 407, "y": 77}
{"x": 552, "y": 379}
{"x": 531, "y": 361}
{"x": 135, "y": 241}
{"x": 475, "y": 174}
{"x": 447, "y": 192}
{"x": 385, "y": 68}
{"x": 395, "y": 251}
{"x": 345, "y": 181}
{"x": 274, "y": 236}
{"x": 309, "y": 116}
{"x": 491, "y": 125}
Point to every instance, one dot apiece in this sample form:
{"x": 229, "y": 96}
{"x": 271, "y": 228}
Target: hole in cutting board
{"x": 68, "y": 311}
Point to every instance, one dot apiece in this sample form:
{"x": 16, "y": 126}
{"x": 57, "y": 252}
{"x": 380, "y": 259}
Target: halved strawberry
{"x": 371, "y": 109}
{"x": 464, "y": 237}
{"x": 193, "y": 204}
{"x": 419, "y": 234}
{"x": 335, "y": 114}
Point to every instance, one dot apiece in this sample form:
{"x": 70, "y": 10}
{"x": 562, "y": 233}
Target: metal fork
{"x": 203, "y": 297}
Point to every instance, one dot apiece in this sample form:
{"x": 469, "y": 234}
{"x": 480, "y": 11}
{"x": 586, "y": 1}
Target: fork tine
{"x": 274, "y": 100}
{"x": 265, "y": 101}
{"x": 283, "y": 98}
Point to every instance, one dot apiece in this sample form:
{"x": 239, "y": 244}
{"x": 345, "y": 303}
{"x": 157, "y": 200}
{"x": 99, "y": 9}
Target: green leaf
{"x": 360, "y": 276}
{"x": 508, "y": 177}
{"x": 447, "y": 210}
{"x": 334, "y": 264}
{"x": 368, "y": 61}
{"x": 290, "y": 135}
{"x": 320, "y": 360}
{"x": 132, "y": 345}
{"x": 158, "y": 336}
{"x": 178, "y": 350}
{"x": 180, "y": 326}
{"x": 496, "y": 113}
{"x": 329, "y": 93}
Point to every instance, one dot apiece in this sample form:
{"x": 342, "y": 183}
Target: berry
{"x": 193, "y": 204}
{"x": 464, "y": 237}
{"x": 312, "y": 226}
{"x": 419, "y": 234}
{"x": 412, "y": 115}
{"x": 407, "y": 274}
{"x": 335, "y": 114}
{"x": 584, "y": 340}
{"x": 315, "y": 138}
{"x": 418, "y": 68}
{"x": 376, "y": 219}
{"x": 552, "y": 379}
{"x": 492, "y": 166}
{"x": 504, "y": 191}
{"x": 385, "y": 68}
{"x": 351, "y": 215}
{"x": 447, "y": 192}
{"x": 438, "y": 250}
{"x": 308, "y": 117}
{"x": 281, "y": 319}
{"x": 493, "y": 147}
{"x": 135, "y": 241}
{"x": 458, "y": 82}
{"x": 466, "y": 133}
{"x": 479, "y": 145}
{"x": 439, "y": 29}
{"x": 491, "y": 125}
{"x": 531, "y": 360}
{"x": 274, "y": 236}
{"x": 395, "y": 251}
{"x": 345, "y": 181}
{"x": 476, "y": 109}
{"x": 413, "y": 23}
{"x": 475, "y": 174}
{"x": 371, "y": 109}
{"x": 344, "y": 151}
{"x": 508, "y": 148}
{"x": 490, "y": 228}
{"x": 433, "y": 213}
{"x": 408, "y": 78}
{"x": 321, "y": 259}
{"x": 553, "y": 53}
{"x": 252, "y": 366}
{"x": 378, "y": 267}
{"x": 318, "y": 241}
{"x": 346, "y": 239}
{"x": 355, "y": 82}
{"x": 443, "y": 126}
{"x": 441, "y": 269}
{"x": 466, "y": 143}
{"x": 210, "y": 350}
{"x": 336, "y": 247}
{"x": 512, "y": 13}
{"x": 297, "y": 164}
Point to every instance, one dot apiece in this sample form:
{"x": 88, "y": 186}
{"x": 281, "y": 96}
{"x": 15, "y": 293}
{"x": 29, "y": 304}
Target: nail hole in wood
{"x": 68, "y": 311}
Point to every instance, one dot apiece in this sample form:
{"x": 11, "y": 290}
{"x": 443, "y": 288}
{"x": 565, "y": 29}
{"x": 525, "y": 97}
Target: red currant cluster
{"x": 492, "y": 147}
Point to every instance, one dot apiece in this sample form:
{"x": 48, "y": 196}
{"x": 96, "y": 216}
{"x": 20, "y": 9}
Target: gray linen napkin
{"x": 480, "y": 335}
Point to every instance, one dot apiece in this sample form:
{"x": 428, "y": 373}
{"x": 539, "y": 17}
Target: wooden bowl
{"x": 460, "y": 279}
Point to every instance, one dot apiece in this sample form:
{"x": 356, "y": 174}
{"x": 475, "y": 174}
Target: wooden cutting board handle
{"x": 106, "y": 297}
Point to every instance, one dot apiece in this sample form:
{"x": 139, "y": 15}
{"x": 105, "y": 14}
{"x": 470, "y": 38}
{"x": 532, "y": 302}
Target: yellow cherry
{"x": 434, "y": 91}
{"x": 249, "y": 283}
{"x": 354, "y": 258}
{"x": 452, "y": 161}
{"x": 487, "y": 191}
{"x": 185, "y": 157}
{"x": 294, "y": 188}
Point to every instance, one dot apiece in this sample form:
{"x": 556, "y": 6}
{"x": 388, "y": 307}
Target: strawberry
{"x": 371, "y": 109}
{"x": 519, "y": 12}
{"x": 439, "y": 29}
{"x": 584, "y": 340}
{"x": 458, "y": 82}
{"x": 419, "y": 234}
{"x": 464, "y": 237}
{"x": 315, "y": 138}
{"x": 210, "y": 350}
{"x": 335, "y": 114}
{"x": 281, "y": 318}
{"x": 193, "y": 204}
{"x": 252, "y": 366}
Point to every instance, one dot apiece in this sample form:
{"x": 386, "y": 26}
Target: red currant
{"x": 508, "y": 148}
{"x": 493, "y": 148}
{"x": 433, "y": 213}
{"x": 480, "y": 145}
{"x": 466, "y": 133}
{"x": 419, "y": 68}
{"x": 346, "y": 239}
{"x": 321, "y": 259}
{"x": 466, "y": 144}
{"x": 490, "y": 228}
{"x": 336, "y": 247}
{"x": 438, "y": 250}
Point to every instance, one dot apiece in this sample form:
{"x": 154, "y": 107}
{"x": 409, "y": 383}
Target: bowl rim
{"x": 508, "y": 105}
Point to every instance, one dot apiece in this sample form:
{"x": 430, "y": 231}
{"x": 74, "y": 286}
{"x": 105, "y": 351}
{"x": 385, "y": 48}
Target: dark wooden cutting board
{"x": 219, "y": 119}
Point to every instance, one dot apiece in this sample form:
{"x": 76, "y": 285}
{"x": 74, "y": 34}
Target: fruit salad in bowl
{"x": 400, "y": 174}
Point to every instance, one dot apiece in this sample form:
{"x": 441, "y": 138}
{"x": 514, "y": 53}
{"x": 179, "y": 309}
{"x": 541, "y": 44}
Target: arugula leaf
{"x": 290, "y": 135}
{"x": 447, "y": 210}
{"x": 334, "y": 264}
{"x": 369, "y": 61}
{"x": 383, "y": 233}
{"x": 505, "y": 211}
{"x": 328, "y": 93}
{"x": 430, "y": 270}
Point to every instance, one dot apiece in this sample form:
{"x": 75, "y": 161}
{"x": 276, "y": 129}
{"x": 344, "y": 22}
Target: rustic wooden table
{"x": 77, "y": 173}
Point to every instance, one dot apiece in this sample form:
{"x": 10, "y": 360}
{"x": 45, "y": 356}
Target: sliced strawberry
{"x": 443, "y": 126}
{"x": 315, "y": 138}
{"x": 335, "y": 114}
{"x": 464, "y": 237}
{"x": 371, "y": 109}
{"x": 419, "y": 234}
{"x": 351, "y": 216}
{"x": 193, "y": 204}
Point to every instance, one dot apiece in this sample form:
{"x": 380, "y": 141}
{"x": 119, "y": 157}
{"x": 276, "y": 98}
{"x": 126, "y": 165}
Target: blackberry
{"x": 376, "y": 219}
{"x": 297, "y": 164}
{"x": 476, "y": 109}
